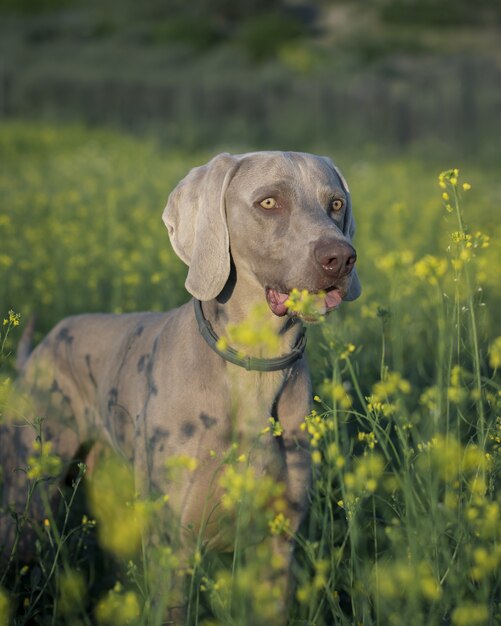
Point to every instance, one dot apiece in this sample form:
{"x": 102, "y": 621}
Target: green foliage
{"x": 440, "y": 13}
{"x": 73, "y": 205}
{"x": 263, "y": 36}
{"x": 33, "y": 6}
{"x": 196, "y": 31}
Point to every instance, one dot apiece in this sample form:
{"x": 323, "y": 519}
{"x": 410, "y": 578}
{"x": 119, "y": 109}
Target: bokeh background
{"x": 337, "y": 74}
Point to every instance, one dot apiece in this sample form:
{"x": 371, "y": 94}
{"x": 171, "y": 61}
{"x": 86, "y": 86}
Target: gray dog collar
{"x": 248, "y": 362}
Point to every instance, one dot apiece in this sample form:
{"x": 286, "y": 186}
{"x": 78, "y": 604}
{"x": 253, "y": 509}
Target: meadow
{"x": 404, "y": 524}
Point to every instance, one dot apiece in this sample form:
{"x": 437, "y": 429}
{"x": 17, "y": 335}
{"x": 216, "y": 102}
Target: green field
{"x": 404, "y": 526}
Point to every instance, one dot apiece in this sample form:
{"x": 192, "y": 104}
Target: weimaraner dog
{"x": 251, "y": 228}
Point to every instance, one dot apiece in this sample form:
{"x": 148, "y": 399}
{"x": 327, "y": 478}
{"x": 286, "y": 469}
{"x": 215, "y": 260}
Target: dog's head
{"x": 284, "y": 219}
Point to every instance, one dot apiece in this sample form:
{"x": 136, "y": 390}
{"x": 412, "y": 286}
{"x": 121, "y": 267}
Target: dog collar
{"x": 248, "y": 362}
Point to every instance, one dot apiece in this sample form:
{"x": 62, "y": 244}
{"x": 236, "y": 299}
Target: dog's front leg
{"x": 293, "y": 405}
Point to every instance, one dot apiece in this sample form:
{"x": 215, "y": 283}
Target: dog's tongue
{"x": 276, "y": 301}
{"x": 332, "y": 299}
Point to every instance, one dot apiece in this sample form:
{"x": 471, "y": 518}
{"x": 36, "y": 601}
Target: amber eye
{"x": 268, "y": 203}
{"x": 337, "y": 205}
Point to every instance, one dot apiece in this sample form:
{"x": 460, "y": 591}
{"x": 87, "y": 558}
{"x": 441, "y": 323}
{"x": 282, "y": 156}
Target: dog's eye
{"x": 337, "y": 204}
{"x": 268, "y": 203}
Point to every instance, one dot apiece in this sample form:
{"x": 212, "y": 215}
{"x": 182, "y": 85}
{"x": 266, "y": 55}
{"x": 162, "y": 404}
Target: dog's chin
{"x": 277, "y": 301}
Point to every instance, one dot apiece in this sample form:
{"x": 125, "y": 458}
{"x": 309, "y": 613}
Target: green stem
{"x": 59, "y": 541}
{"x": 473, "y": 329}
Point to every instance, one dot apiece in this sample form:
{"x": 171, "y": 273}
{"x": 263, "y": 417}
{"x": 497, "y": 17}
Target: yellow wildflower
{"x": 72, "y": 591}
{"x": 118, "y": 607}
{"x": 392, "y": 384}
{"x": 470, "y": 614}
{"x": 255, "y": 332}
{"x": 275, "y": 427}
{"x": 43, "y": 464}
{"x": 369, "y": 439}
{"x": 13, "y": 319}
{"x": 280, "y": 525}
{"x": 121, "y": 517}
{"x": 495, "y": 353}
{"x": 180, "y": 462}
{"x": 244, "y": 487}
{"x": 485, "y": 562}
{"x": 309, "y": 306}
{"x": 430, "y": 268}
{"x": 316, "y": 457}
{"x": 5, "y": 608}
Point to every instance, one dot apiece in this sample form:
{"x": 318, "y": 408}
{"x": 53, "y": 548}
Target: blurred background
{"x": 292, "y": 74}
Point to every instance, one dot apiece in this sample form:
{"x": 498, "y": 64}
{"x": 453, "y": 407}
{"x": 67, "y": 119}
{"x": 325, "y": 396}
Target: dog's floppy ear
{"x": 355, "y": 288}
{"x": 195, "y": 217}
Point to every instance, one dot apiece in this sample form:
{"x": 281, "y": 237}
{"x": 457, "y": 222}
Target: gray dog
{"x": 250, "y": 228}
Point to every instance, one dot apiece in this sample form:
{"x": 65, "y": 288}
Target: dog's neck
{"x": 247, "y": 302}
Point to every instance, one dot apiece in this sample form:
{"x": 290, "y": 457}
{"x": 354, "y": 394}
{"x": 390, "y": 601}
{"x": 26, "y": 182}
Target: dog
{"x": 250, "y": 228}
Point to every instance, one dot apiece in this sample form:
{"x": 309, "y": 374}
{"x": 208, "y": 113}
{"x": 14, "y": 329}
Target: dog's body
{"x": 251, "y": 228}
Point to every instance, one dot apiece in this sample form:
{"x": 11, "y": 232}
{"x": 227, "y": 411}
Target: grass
{"x": 404, "y": 523}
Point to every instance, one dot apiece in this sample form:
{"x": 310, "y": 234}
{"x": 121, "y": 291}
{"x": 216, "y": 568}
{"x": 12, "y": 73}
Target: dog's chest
{"x": 252, "y": 395}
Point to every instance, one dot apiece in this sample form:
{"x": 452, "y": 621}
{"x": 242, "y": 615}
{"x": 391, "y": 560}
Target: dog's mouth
{"x": 278, "y": 301}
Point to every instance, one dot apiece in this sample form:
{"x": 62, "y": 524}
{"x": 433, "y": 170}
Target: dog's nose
{"x": 337, "y": 258}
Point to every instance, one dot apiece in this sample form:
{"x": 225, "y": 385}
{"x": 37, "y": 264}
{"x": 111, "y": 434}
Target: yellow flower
{"x": 309, "y": 306}
{"x": 5, "y": 608}
{"x": 368, "y": 438}
{"x": 430, "y": 589}
{"x": 117, "y": 607}
{"x": 180, "y": 462}
{"x": 430, "y": 268}
{"x": 280, "y": 525}
{"x": 316, "y": 457}
{"x": 349, "y": 349}
{"x": 13, "y": 319}
{"x": 43, "y": 464}
{"x": 340, "y": 396}
{"x": 495, "y": 353}
{"x": 368, "y": 471}
{"x": 334, "y": 455}
{"x": 470, "y": 614}
{"x": 485, "y": 562}
{"x": 303, "y": 594}
{"x": 72, "y": 591}
{"x": 391, "y": 385}
{"x": 320, "y": 578}
{"x": 446, "y": 457}
{"x": 256, "y": 332}
{"x": 244, "y": 487}
{"x": 275, "y": 427}
{"x": 121, "y": 518}
{"x": 317, "y": 427}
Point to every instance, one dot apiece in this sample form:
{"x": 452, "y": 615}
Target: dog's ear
{"x": 195, "y": 217}
{"x": 355, "y": 288}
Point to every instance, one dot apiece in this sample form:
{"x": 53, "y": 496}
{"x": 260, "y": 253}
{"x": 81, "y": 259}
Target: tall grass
{"x": 404, "y": 521}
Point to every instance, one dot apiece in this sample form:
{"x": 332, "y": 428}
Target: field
{"x": 404, "y": 524}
